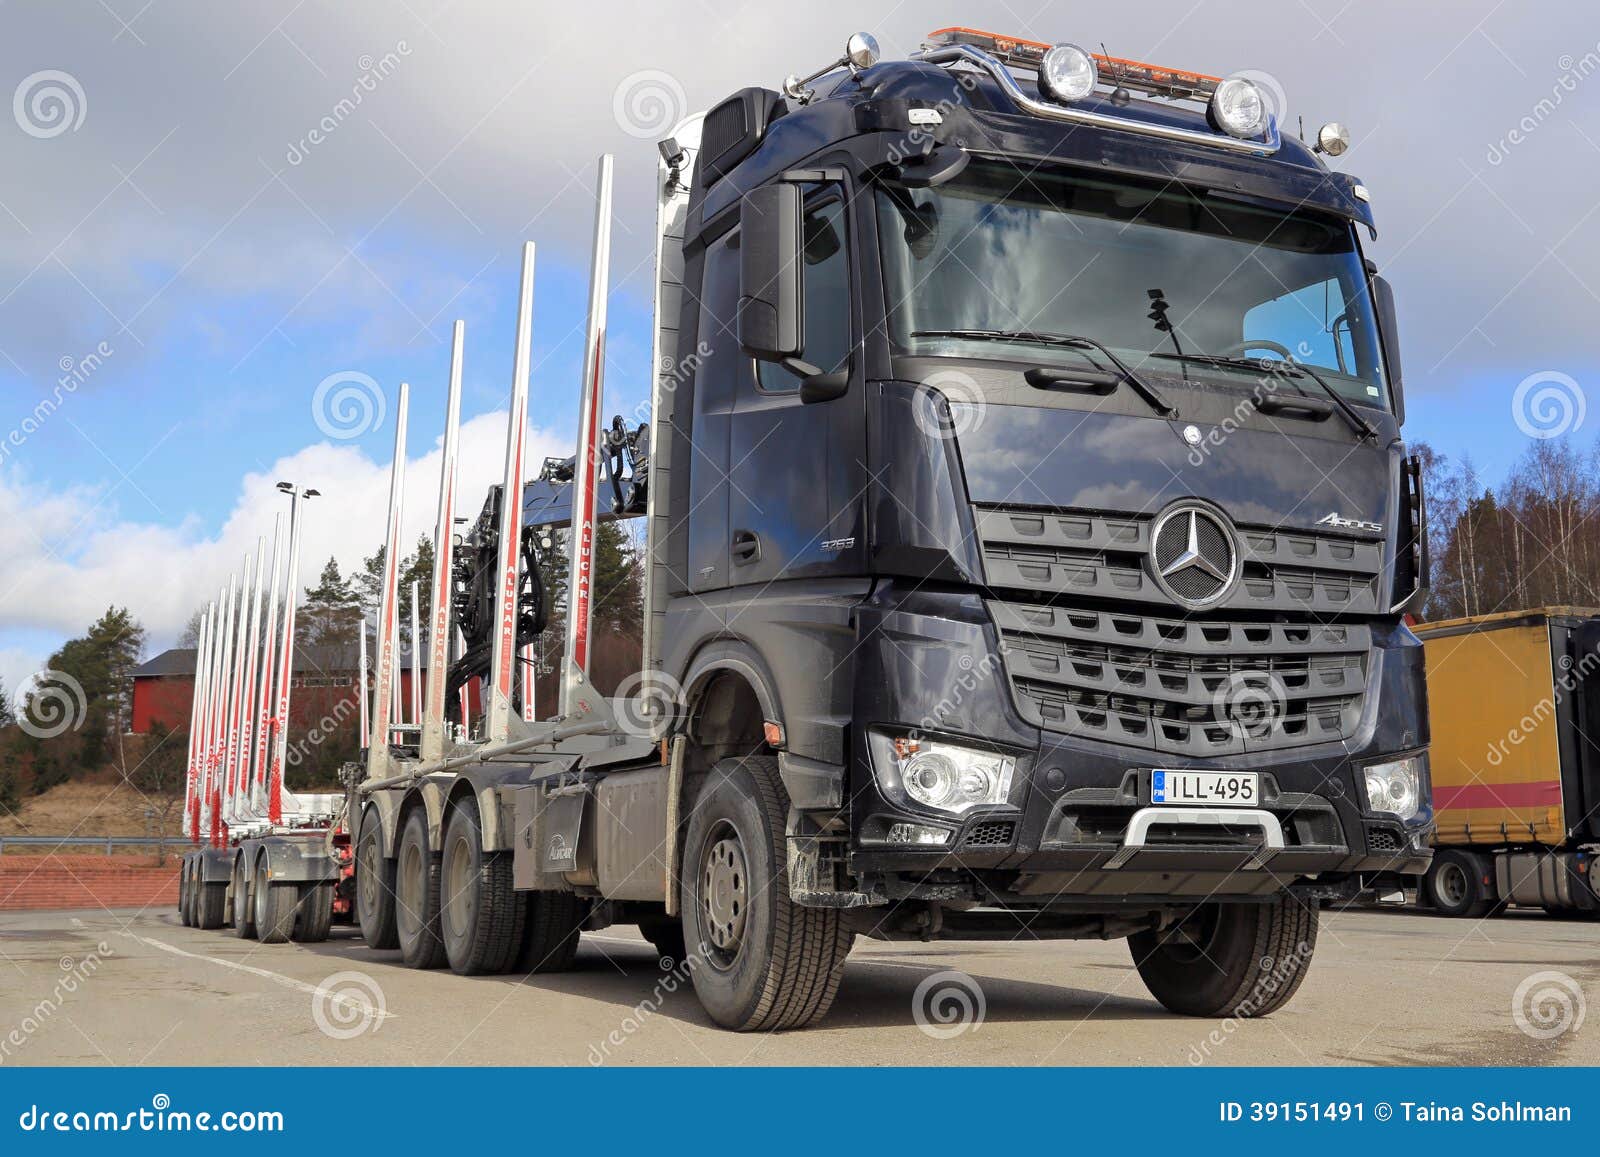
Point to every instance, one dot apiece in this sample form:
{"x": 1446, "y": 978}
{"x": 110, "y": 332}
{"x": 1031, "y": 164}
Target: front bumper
{"x": 1078, "y": 822}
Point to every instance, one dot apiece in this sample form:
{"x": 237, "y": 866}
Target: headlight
{"x": 1238, "y": 108}
{"x": 944, "y": 776}
{"x": 1396, "y": 786}
{"x": 1067, "y": 73}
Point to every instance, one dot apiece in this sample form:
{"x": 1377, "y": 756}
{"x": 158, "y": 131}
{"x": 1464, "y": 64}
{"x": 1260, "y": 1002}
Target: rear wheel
{"x": 275, "y": 904}
{"x": 417, "y": 896}
{"x": 1231, "y": 960}
{"x": 314, "y": 915}
{"x": 765, "y": 962}
{"x": 212, "y": 904}
{"x": 480, "y": 916}
{"x": 1455, "y": 885}
{"x": 183, "y": 894}
{"x": 550, "y": 931}
{"x": 244, "y": 914}
{"x": 375, "y": 888}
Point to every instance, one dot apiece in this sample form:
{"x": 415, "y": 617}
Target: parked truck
{"x": 1516, "y": 782}
{"x": 1028, "y": 534}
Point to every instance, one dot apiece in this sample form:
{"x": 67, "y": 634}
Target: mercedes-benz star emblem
{"x": 1193, "y": 554}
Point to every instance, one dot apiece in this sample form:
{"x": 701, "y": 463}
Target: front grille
{"x": 1188, "y": 687}
{"x": 1104, "y": 556}
{"x": 993, "y": 834}
{"x": 1384, "y": 840}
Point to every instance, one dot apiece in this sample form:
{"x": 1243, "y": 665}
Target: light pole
{"x": 280, "y": 746}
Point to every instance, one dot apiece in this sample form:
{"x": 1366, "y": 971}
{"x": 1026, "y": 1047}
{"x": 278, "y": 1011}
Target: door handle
{"x": 746, "y": 547}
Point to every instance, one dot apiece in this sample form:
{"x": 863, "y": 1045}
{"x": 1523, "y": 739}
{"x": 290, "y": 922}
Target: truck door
{"x": 794, "y": 498}
{"x": 715, "y": 382}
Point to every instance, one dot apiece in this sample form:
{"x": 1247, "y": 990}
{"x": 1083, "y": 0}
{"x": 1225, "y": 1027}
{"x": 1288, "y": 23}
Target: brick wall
{"x": 81, "y": 881}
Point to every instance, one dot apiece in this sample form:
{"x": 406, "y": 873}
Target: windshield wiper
{"x": 1295, "y": 370}
{"x": 1067, "y": 341}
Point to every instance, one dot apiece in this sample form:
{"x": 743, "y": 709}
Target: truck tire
{"x": 416, "y": 896}
{"x": 551, "y": 927}
{"x": 480, "y": 917}
{"x": 1454, "y": 885}
{"x": 666, "y": 933}
{"x": 1229, "y": 959}
{"x": 211, "y": 906}
{"x": 183, "y": 895}
{"x": 375, "y": 888}
{"x": 314, "y": 913}
{"x": 275, "y": 905}
{"x": 764, "y": 962}
{"x": 244, "y": 914}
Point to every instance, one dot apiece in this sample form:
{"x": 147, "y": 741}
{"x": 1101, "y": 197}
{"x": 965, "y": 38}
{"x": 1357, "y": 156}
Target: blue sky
{"x": 230, "y": 266}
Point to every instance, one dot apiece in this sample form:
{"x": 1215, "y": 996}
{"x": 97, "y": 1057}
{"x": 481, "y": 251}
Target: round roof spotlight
{"x": 1067, "y": 73}
{"x": 862, "y": 51}
{"x": 1238, "y": 108}
{"x": 1333, "y": 138}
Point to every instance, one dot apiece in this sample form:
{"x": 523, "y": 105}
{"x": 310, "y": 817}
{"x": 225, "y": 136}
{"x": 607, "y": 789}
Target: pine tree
{"x": 7, "y": 715}
{"x": 331, "y": 612}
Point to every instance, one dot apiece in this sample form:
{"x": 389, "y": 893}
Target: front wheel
{"x": 1229, "y": 960}
{"x": 763, "y": 961}
{"x": 1455, "y": 885}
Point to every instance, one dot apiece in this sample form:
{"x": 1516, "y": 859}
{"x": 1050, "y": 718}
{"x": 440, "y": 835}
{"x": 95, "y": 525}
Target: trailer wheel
{"x": 275, "y": 905}
{"x": 1239, "y": 959}
{"x": 191, "y": 902}
{"x": 478, "y": 911}
{"x": 1454, "y": 885}
{"x": 666, "y": 934}
{"x": 183, "y": 894}
{"x": 375, "y": 889}
{"x": 213, "y": 904}
{"x": 764, "y": 961}
{"x": 314, "y": 913}
{"x": 244, "y": 914}
{"x": 417, "y": 896}
{"x": 552, "y": 923}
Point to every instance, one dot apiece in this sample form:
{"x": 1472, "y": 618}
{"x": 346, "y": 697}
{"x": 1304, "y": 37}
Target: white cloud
{"x": 66, "y": 562}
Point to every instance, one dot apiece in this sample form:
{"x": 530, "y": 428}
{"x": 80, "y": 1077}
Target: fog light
{"x": 1238, "y": 108}
{"x": 1067, "y": 73}
{"x": 1334, "y": 139}
{"x": 917, "y": 834}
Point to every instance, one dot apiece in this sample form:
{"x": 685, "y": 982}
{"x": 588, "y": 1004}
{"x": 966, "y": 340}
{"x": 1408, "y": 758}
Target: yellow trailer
{"x": 1515, "y": 778}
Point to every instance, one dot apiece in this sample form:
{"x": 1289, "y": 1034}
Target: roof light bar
{"x": 1174, "y": 83}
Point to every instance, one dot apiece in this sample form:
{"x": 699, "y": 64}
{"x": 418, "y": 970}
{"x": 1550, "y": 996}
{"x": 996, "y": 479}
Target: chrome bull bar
{"x": 1135, "y": 841}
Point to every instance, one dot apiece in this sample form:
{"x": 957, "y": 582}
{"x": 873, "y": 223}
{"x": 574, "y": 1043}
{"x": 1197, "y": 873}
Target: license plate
{"x": 1216, "y": 788}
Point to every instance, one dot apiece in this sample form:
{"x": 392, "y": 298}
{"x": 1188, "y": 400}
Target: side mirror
{"x": 1389, "y": 334}
{"x": 771, "y": 318}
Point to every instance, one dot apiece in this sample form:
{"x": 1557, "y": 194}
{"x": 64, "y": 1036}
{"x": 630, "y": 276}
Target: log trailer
{"x": 1028, "y": 529}
{"x": 1517, "y": 791}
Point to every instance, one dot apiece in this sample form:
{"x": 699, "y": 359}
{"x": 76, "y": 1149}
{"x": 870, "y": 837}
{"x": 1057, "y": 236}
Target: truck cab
{"x": 1030, "y": 524}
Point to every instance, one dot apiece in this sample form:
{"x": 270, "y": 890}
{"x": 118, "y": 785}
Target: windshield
{"x": 1154, "y": 271}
